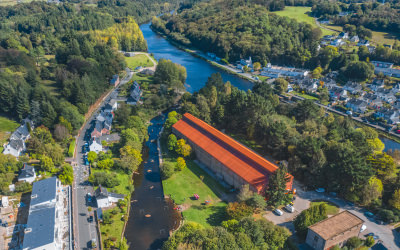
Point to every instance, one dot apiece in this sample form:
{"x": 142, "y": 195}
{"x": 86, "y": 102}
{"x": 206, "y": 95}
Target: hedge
{"x": 71, "y": 148}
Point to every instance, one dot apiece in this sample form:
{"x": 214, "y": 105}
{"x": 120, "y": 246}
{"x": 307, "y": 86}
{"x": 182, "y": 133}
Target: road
{"x": 390, "y": 238}
{"x": 84, "y": 231}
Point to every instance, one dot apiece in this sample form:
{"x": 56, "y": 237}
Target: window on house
{"x": 316, "y": 238}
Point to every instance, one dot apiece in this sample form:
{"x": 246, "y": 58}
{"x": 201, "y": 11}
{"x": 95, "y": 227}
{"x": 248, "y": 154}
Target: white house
{"x": 27, "y": 174}
{"x": 105, "y": 198}
{"x": 111, "y": 106}
{"x": 17, "y": 140}
{"x": 355, "y": 39}
{"x": 248, "y": 63}
{"x": 363, "y": 43}
{"x": 353, "y": 87}
{"x": 96, "y": 146}
{"x": 357, "y": 105}
{"x": 391, "y": 116}
{"x": 4, "y": 201}
{"x": 135, "y": 94}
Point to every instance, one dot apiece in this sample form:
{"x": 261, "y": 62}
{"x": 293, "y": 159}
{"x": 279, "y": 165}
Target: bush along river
{"x": 152, "y": 217}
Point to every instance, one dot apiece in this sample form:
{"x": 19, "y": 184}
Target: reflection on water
{"x": 151, "y": 216}
{"x": 389, "y": 144}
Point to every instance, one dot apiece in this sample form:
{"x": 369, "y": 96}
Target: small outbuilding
{"x": 105, "y": 198}
{"x": 27, "y": 174}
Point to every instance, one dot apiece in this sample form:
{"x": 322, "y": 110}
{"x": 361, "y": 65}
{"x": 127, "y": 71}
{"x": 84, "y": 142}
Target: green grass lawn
{"x": 51, "y": 86}
{"x": 13, "y": 2}
{"x": 332, "y": 208}
{"x": 138, "y": 60}
{"x": 301, "y": 15}
{"x": 184, "y": 184}
{"x": 305, "y": 95}
{"x": 7, "y": 126}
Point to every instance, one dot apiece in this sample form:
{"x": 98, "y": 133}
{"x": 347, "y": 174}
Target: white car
{"x": 289, "y": 208}
{"x": 278, "y": 212}
{"x": 363, "y": 228}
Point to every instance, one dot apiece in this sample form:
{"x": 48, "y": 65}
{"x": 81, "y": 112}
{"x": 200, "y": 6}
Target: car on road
{"x": 320, "y": 190}
{"x": 278, "y": 212}
{"x": 369, "y": 214}
{"x": 370, "y": 234}
{"x": 86, "y": 162}
{"x": 398, "y": 131}
{"x": 289, "y": 208}
{"x": 363, "y": 228}
{"x": 90, "y": 219}
{"x": 348, "y": 112}
{"x": 89, "y": 197}
{"x": 376, "y": 237}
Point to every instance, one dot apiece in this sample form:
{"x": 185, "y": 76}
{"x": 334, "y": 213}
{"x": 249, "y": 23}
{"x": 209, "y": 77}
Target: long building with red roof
{"x": 232, "y": 162}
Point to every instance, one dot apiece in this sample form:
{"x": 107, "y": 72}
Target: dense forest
{"x": 372, "y": 15}
{"x": 318, "y": 146}
{"x": 238, "y": 29}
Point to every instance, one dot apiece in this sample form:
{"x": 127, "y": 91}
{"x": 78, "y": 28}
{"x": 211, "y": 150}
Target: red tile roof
{"x": 244, "y": 162}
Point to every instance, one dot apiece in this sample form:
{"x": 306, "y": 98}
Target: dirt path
{"x": 151, "y": 59}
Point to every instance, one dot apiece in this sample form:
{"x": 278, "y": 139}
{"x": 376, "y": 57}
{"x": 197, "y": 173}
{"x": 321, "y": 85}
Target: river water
{"x": 151, "y": 216}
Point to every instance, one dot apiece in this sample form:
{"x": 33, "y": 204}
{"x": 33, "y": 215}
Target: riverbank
{"x": 201, "y": 55}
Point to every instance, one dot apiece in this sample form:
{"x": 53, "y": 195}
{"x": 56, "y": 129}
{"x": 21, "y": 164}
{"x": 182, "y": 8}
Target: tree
{"x": 372, "y": 191}
{"x": 369, "y": 242}
{"x": 353, "y": 242}
{"x": 182, "y": 148}
{"x": 317, "y": 72}
{"x": 46, "y": 163}
{"x": 92, "y": 157}
{"x": 172, "y": 141}
{"x": 245, "y": 193}
{"x": 180, "y": 164}
{"x": 281, "y": 85}
{"x": 167, "y": 170}
{"x": 105, "y": 164}
{"x": 384, "y": 166}
{"x": 395, "y": 201}
{"x": 238, "y": 210}
{"x": 257, "y": 202}
{"x": 130, "y": 158}
{"x": 67, "y": 175}
{"x": 256, "y": 66}
{"x": 309, "y": 217}
{"x": 61, "y": 133}
{"x": 359, "y": 70}
{"x": 276, "y": 190}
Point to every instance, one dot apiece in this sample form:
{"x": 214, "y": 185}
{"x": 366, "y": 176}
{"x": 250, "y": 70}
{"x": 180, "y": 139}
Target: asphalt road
{"x": 84, "y": 231}
{"x": 389, "y": 237}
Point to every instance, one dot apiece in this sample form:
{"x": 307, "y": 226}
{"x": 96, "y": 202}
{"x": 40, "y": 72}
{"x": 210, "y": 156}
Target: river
{"x": 151, "y": 216}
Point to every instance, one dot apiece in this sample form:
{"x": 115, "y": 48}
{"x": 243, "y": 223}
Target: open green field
{"x": 138, "y": 60}
{"x": 304, "y": 95}
{"x": 13, "y": 2}
{"x": 184, "y": 184}
{"x": 301, "y": 15}
{"x": 7, "y": 126}
{"x": 332, "y": 208}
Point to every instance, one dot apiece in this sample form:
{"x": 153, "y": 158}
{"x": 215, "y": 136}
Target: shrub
{"x": 108, "y": 180}
{"x": 167, "y": 170}
{"x": 180, "y": 164}
{"x": 309, "y": 217}
{"x": 238, "y": 210}
{"x": 353, "y": 242}
{"x": 369, "y": 242}
{"x": 71, "y": 148}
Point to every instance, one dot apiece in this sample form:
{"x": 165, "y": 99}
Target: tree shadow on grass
{"x": 218, "y": 214}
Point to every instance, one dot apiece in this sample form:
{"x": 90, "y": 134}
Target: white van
{"x": 289, "y": 208}
{"x": 278, "y": 212}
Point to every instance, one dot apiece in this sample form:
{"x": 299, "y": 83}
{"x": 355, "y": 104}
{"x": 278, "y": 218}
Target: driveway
{"x": 386, "y": 233}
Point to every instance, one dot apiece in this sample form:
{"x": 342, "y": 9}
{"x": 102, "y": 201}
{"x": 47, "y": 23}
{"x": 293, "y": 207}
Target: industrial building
{"x": 229, "y": 160}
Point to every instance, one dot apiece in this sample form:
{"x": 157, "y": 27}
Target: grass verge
{"x": 7, "y": 126}
{"x": 332, "y": 208}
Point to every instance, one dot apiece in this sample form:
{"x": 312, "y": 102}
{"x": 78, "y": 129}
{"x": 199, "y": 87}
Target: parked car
{"x": 90, "y": 219}
{"x": 86, "y": 162}
{"x": 278, "y": 212}
{"x": 348, "y": 112}
{"x": 398, "y": 131}
{"x": 376, "y": 237}
{"x": 89, "y": 197}
{"x": 320, "y": 190}
{"x": 369, "y": 214}
{"x": 289, "y": 208}
{"x": 363, "y": 228}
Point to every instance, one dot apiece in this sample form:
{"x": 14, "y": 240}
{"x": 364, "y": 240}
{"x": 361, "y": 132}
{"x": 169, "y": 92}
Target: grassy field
{"x": 7, "y": 126}
{"x": 14, "y": 2}
{"x": 301, "y": 15}
{"x": 138, "y": 60}
{"x": 114, "y": 230}
{"x": 304, "y": 95}
{"x": 193, "y": 180}
{"x": 332, "y": 208}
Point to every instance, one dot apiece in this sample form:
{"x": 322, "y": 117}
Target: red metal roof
{"x": 244, "y": 162}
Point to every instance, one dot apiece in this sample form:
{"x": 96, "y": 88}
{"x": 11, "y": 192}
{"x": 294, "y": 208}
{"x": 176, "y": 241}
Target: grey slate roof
{"x": 44, "y": 190}
{"x": 102, "y": 193}
{"x": 17, "y": 144}
{"x": 42, "y": 223}
{"x": 27, "y": 172}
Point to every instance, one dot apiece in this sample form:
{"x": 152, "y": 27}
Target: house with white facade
{"x": 48, "y": 219}
{"x": 377, "y": 84}
{"x": 353, "y": 87}
{"x": 354, "y": 39}
{"x": 27, "y": 174}
{"x": 391, "y": 116}
{"x": 386, "y": 95}
{"x": 135, "y": 94}
{"x": 105, "y": 198}
{"x": 16, "y": 145}
{"x": 338, "y": 93}
{"x": 95, "y": 146}
{"x": 111, "y": 106}
{"x": 357, "y": 105}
